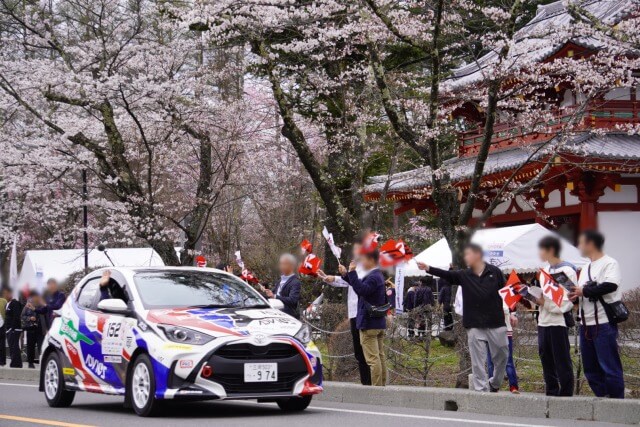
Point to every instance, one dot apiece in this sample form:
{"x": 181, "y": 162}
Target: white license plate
{"x": 260, "y": 372}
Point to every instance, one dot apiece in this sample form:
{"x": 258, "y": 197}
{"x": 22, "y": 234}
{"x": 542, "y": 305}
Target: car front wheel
{"x": 142, "y": 387}
{"x": 54, "y": 392}
{"x": 294, "y": 404}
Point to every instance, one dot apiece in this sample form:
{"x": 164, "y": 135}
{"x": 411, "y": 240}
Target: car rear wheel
{"x": 54, "y": 392}
{"x": 294, "y": 404}
{"x": 142, "y": 387}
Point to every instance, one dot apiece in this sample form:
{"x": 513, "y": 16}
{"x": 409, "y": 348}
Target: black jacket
{"x": 482, "y": 304}
{"x": 13, "y": 319}
{"x": 424, "y": 296}
{"x": 289, "y": 294}
{"x": 444, "y": 296}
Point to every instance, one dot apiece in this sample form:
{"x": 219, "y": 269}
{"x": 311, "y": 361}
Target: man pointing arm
{"x": 482, "y": 316}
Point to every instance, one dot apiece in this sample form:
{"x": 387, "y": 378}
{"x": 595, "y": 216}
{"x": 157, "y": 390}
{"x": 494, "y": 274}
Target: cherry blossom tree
{"x": 125, "y": 91}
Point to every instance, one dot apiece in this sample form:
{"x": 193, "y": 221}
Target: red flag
{"x": 310, "y": 265}
{"x": 408, "y": 253}
{"x": 511, "y": 292}
{"x": 306, "y": 246}
{"x": 248, "y": 277}
{"x": 552, "y": 289}
{"x": 370, "y": 243}
{"x": 393, "y": 253}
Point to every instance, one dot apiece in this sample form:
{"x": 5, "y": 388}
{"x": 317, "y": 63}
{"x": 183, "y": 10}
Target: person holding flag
{"x": 352, "y": 310}
{"x": 554, "y": 318}
{"x": 482, "y": 315}
{"x": 288, "y": 290}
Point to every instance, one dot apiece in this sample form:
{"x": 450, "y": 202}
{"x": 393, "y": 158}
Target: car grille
{"x": 234, "y": 384}
{"x": 253, "y": 352}
{"x": 228, "y": 368}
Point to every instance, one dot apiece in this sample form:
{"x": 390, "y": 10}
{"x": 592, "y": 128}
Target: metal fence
{"x": 420, "y": 352}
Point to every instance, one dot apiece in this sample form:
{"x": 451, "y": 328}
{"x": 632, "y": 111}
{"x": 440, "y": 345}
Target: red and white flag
{"x": 552, "y": 289}
{"x": 332, "y": 244}
{"x": 248, "y": 277}
{"x": 306, "y": 247}
{"x": 310, "y": 265}
{"x": 511, "y": 292}
{"x": 239, "y": 260}
{"x": 394, "y": 252}
{"x": 201, "y": 261}
{"x": 370, "y": 243}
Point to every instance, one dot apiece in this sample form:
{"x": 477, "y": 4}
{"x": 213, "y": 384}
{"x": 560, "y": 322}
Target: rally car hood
{"x": 220, "y": 322}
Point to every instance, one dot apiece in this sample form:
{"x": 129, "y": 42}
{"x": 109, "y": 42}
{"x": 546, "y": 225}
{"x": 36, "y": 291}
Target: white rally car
{"x": 177, "y": 333}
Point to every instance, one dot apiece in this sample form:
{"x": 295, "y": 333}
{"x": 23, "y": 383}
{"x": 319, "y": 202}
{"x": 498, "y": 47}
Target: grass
{"x": 443, "y": 370}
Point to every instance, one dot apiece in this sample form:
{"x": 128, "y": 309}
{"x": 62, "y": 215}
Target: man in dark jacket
{"x": 482, "y": 315}
{"x": 31, "y": 323}
{"x": 423, "y": 304}
{"x": 13, "y": 324}
{"x": 444, "y": 300}
{"x": 371, "y": 293}
{"x": 54, "y": 301}
{"x": 288, "y": 290}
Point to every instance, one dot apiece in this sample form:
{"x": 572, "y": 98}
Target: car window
{"x": 174, "y": 289}
{"x": 88, "y": 294}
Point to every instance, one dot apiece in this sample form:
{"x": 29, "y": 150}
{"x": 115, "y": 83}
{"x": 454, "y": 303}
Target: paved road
{"x": 21, "y": 405}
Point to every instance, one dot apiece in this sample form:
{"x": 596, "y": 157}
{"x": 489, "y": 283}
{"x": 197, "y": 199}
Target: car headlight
{"x": 185, "y": 335}
{"x": 303, "y": 335}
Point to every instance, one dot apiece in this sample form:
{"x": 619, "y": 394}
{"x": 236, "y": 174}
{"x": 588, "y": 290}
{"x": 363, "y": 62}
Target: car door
{"x": 82, "y": 339}
{"x": 117, "y": 341}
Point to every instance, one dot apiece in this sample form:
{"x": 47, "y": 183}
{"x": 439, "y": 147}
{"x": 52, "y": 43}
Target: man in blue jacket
{"x": 288, "y": 290}
{"x": 371, "y": 293}
{"x": 54, "y": 301}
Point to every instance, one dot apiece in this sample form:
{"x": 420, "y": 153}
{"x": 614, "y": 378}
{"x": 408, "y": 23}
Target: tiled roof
{"x": 533, "y": 42}
{"x": 615, "y": 146}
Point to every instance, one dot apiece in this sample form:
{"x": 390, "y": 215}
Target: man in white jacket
{"x": 553, "y": 335}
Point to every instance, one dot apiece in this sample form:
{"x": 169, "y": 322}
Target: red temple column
{"x": 588, "y": 215}
{"x": 589, "y": 188}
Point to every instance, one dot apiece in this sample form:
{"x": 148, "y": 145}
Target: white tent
{"x": 40, "y": 265}
{"x": 437, "y": 255}
{"x": 507, "y": 247}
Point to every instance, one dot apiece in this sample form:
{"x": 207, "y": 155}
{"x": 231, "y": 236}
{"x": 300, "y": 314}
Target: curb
{"x": 20, "y": 374}
{"x": 528, "y": 405}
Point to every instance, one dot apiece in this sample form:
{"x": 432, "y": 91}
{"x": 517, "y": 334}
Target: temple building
{"x": 593, "y": 180}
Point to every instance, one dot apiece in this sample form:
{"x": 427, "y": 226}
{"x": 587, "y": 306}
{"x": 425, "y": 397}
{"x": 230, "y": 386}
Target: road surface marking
{"x": 40, "y": 421}
{"x": 384, "y": 414}
{"x": 19, "y": 385}
{"x": 426, "y": 417}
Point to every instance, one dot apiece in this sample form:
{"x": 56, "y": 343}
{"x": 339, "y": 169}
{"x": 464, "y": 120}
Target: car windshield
{"x": 179, "y": 289}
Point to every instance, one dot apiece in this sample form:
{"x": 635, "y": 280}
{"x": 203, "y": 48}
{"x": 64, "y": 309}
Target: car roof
{"x": 134, "y": 270}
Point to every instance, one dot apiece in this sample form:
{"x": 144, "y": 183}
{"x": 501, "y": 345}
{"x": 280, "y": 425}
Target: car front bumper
{"x": 219, "y": 373}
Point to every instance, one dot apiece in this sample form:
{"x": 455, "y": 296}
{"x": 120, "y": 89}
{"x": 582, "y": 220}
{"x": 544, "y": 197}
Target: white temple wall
{"x": 620, "y": 230}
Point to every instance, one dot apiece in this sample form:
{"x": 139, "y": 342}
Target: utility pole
{"x": 85, "y": 221}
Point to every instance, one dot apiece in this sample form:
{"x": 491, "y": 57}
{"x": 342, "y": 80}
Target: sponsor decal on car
{"x": 186, "y": 364}
{"x": 176, "y": 346}
{"x": 70, "y": 348}
{"x": 96, "y": 366}
{"x": 113, "y": 337}
{"x": 67, "y": 329}
{"x": 68, "y": 371}
{"x": 113, "y": 359}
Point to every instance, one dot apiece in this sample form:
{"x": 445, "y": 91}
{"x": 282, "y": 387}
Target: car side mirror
{"x": 113, "y": 305}
{"x": 276, "y": 304}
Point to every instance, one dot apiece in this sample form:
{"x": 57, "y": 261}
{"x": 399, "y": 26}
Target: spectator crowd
{"x": 592, "y": 299}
